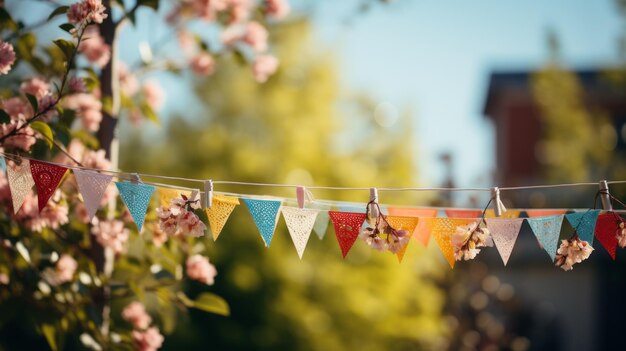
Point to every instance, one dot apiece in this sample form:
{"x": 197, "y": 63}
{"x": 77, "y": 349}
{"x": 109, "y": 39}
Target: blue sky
{"x": 433, "y": 57}
{"x": 436, "y": 56}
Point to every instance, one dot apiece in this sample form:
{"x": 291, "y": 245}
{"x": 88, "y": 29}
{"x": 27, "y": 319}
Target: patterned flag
{"x": 265, "y": 215}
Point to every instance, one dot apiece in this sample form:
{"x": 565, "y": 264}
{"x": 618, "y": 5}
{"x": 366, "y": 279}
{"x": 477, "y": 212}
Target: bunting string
{"x": 458, "y": 232}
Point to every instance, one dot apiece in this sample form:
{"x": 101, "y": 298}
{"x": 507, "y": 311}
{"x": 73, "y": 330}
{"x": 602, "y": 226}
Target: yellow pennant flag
{"x": 166, "y": 195}
{"x": 422, "y": 230}
{"x": 442, "y": 229}
{"x": 406, "y": 223}
{"x": 221, "y": 208}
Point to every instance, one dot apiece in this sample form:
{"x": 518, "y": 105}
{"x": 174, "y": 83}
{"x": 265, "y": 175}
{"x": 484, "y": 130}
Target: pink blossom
{"x": 256, "y": 36}
{"x": 96, "y": 159}
{"x": 77, "y": 85}
{"x": 240, "y": 10}
{"x": 148, "y": 340}
{"x": 154, "y": 94}
{"x": 36, "y": 87}
{"x": 159, "y": 237}
{"x": 111, "y": 234}
{"x": 199, "y": 268}
{"x": 192, "y": 225}
{"x": 17, "y": 108}
{"x": 65, "y": 268}
{"x": 136, "y": 314}
{"x": 81, "y": 213}
{"x": 277, "y": 8}
{"x": 4, "y": 279}
{"x": 202, "y": 64}
{"x": 128, "y": 81}
{"x": 55, "y": 214}
{"x": 47, "y": 103}
{"x": 263, "y": 67}
{"x": 207, "y": 9}
{"x": 23, "y": 140}
{"x": 185, "y": 40}
{"x": 7, "y": 57}
{"x": 87, "y": 11}
{"x": 94, "y": 48}
{"x": 88, "y": 107}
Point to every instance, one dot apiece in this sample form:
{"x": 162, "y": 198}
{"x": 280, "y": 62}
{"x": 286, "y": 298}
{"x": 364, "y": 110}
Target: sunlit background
{"x": 402, "y": 93}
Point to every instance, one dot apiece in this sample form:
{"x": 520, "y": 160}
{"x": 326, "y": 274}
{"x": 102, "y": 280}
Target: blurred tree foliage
{"x": 297, "y": 128}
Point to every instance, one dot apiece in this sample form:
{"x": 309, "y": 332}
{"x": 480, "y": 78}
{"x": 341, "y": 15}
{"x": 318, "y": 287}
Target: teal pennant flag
{"x": 584, "y": 223}
{"x": 136, "y": 197}
{"x": 265, "y": 215}
{"x": 547, "y": 230}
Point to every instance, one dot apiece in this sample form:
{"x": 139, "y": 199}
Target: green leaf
{"x": 149, "y": 113}
{"x": 66, "y": 46}
{"x": 87, "y": 138}
{"x": 208, "y": 302}
{"x": 58, "y": 11}
{"x": 49, "y": 333}
{"x": 44, "y": 129}
{"x": 154, "y": 4}
{"x": 33, "y": 102}
{"x": 68, "y": 27}
{"x": 4, "y": 117}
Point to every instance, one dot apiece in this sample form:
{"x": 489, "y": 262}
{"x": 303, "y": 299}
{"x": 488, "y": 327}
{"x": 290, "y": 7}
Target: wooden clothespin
{"x": 605, "y": 196}
{"x": 208, "y": 193}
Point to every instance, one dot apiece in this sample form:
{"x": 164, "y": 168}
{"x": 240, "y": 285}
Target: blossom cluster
{"x": 63, "y": 271}
{"x": 572, "y": 251}
{"x": 467, "y": 240}
{"x": 179, "y": 219}
{"x": 86, "y": 11}
{"x": 199, "y": 268}
{"x": 384, "y": 237}
{"x": 145, "y": 338}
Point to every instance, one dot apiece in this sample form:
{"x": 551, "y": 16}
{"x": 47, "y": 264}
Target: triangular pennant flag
{"x": 3, "y": 164}
{"x": 92, "y": 186}
{"x": 136, "y": 197}
{"x": 265, "y": 215}
{"x": 47, "y": 177}
{"x": 406, "y": 223}
{"x": 504, "y": 232}
{"x": 442, "y": 229}
{"x": 166, "y": 195}
{"x": 347, "y": 228}
{"x": 490, "y": 213}
{"x": 321, "y": 224}
{"x": 544, "y": 213}
{"x": 547, "y": 230}
{"x": 221, "y": 208}
{"x": 421, "y": 233}
{"x": 300, "y": 222}
{"x": 584, "y": 223}
{"x": 454, "y": 213}
{"x": 606, "y": 231}
{"x": 20, "y": 183}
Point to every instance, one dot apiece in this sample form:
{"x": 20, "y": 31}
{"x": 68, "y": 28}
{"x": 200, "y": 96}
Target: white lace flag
{"x": 92, "y": 186}
{"x": 300, "y": 223}
{"x": 20, "y": 182}
{"x": 504, "y": 232}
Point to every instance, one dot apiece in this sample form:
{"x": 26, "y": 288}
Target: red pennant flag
{"x": 606, "y": 230}
{"x": 47, "y": 178}
{"x": 347, "y": 228}
{"x": 451, "y": 213}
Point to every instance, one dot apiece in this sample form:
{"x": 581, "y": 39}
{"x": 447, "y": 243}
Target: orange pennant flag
{"x": 406, "y": 223}
{"x": 442, "y": 229}
{"x": 218, "y": 213}
{"x": 544, "y": 213}
{"x": 455, "y": 213}
{"x": 422, "y": 230}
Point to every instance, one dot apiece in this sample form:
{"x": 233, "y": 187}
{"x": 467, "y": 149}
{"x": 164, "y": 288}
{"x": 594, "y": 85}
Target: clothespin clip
{"x": 134, "y": 178}
{"x": 373, "y": 209}
{"x": 300, "y": 194}
{"x": 208, "y": 193}
{"x": 605, "y": 196}
{"x": 498, "y": 206}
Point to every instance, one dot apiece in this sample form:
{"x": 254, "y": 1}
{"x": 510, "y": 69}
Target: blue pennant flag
{"x": 584, "y": 223}
{"x": 265, "y": 215}
{"x": 547, "y": 230}
{"x": 137, "y": 198}
{"x": 3, "y": 164}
